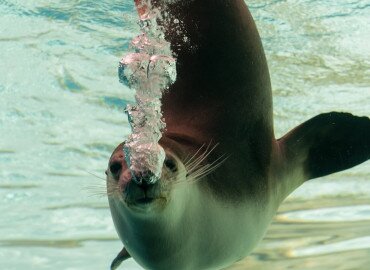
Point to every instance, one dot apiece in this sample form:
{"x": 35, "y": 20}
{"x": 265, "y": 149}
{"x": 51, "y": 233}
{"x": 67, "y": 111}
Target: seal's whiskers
{"x": 112, "y": 189}
{"x": 96, "y": 189}
{"x": 186, "y": 162}
{"x": 101, "y": 188}
{"x": 195, "y": 169}
{"x": 93, "y": 174}
{"x": 191, "y": 166}
{"x": 203, "y": 171}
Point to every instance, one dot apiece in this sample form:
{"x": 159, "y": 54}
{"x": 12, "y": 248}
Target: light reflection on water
{"x": 61, "y": 114}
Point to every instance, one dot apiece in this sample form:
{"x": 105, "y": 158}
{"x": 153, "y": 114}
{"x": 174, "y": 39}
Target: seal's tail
{"x": 327, "y": 143}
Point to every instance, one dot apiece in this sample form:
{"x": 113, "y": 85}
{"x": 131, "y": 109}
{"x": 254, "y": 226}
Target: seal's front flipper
{"x": 327, "y": 143}
{"x": 123, "y": 255}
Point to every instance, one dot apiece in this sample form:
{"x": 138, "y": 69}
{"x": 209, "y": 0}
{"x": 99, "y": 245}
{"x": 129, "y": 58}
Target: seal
{"x": 225, "y": 174}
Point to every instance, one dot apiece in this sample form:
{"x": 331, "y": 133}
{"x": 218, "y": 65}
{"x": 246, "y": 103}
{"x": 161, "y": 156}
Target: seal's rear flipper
{"x": 123, "y": 255}
{"x": 327, "y": 143}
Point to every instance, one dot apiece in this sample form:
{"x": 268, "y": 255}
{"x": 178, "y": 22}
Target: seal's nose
{"x": 144, "y": 178}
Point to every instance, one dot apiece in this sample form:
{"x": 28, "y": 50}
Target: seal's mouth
{"x": 145, "y": 201}
{"x": 143, "y": 196}
{"x": 146, "y": 204}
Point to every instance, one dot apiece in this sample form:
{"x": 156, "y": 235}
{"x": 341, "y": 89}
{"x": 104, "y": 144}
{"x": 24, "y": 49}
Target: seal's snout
{"x": 145, "y": 178}
{"x": 139, "y": 189}
{"x": 142, "y": 188}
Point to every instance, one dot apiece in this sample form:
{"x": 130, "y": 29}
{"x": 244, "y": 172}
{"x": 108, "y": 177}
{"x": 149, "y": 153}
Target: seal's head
{"x": 142, "y": 190}
{"x": 185, "y": 163}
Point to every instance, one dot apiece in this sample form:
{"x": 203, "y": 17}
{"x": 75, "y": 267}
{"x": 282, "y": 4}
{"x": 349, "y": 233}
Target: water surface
{"x": 61, "y": 114}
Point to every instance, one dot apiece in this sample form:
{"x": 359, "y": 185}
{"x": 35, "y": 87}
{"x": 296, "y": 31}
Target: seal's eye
{"x": 170, "y": 164}
{"x": 115, "y": 168}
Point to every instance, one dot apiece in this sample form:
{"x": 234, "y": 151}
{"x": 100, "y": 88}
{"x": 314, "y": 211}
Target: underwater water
{"x": 62, "y": 114}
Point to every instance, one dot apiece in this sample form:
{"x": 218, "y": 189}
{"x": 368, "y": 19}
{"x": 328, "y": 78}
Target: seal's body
{"x": 225, "y": 174}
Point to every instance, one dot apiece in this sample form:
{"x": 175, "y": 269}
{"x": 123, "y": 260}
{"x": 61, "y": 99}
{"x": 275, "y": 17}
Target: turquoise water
{"x": 61, "y": 114}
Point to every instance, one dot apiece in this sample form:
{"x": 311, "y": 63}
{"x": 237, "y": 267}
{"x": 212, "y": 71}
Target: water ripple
{"x": 50, "y": 243}
{"x": 333, "y": 214}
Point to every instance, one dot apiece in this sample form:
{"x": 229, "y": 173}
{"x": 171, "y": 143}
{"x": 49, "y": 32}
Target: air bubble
{"x": 150, "y": 70}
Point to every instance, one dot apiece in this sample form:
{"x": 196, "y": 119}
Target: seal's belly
{"x": 228, "y": 233}
{"x": 209, "y": 235}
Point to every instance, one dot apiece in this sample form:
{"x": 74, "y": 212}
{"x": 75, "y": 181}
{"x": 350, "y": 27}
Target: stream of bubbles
{"x": 149, "y": 71}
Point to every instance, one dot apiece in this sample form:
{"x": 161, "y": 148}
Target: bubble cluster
{"x": 149, "y": 70}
